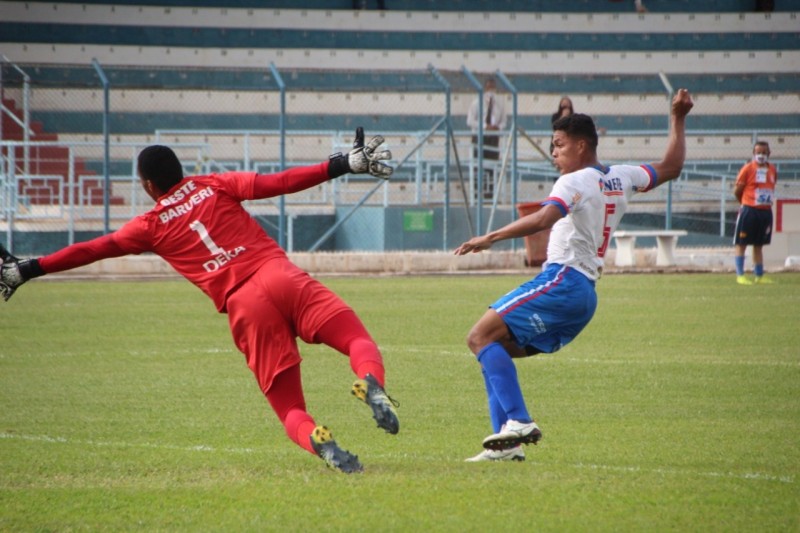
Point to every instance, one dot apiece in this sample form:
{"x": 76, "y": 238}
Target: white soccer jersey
{"x": 620, "y": 183}
{"x": 576, "y": 238}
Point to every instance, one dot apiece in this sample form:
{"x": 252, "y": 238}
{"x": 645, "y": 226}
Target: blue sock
{"x": 758, "y": 270}
{"x": 739, "y": 265}
{"x": 496, "y": 413}
{"x": 502, "y": 375}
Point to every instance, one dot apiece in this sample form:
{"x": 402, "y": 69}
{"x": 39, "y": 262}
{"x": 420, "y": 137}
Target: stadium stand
{"x": 532, "y": 6}
{"x": 180, "y": 69}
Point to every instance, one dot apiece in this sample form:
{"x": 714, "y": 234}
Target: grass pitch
{"x": 124, "y": 406}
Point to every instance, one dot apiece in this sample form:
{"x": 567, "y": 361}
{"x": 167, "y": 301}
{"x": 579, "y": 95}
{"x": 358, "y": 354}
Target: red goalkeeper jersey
{"x": 201, "y": 229}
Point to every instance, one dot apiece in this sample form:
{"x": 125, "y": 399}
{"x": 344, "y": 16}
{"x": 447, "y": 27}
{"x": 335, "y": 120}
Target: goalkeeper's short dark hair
{"x": 160, "y": 165}
{"x": 578, "y": 125}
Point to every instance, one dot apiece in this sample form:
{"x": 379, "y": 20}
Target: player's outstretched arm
{"x": 671, "y": 165}
{"x": 528, "y": 225}
{"x": 362, "y": 159}
{"x": 14, "y": 272}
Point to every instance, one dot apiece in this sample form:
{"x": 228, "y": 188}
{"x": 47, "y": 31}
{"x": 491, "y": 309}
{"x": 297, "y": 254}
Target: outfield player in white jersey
{"x": 547, "y": 312}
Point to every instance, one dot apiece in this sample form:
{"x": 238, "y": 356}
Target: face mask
{"x": 760, "y": 158}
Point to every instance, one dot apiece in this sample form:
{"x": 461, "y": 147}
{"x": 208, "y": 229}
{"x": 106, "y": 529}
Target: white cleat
{"x": 512, "y": 435}
{"x": 511, "y": 454}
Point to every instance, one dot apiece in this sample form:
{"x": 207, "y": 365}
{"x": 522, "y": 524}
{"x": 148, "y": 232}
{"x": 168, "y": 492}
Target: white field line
{"x": 747, "y": 476}
{"x": 104, "y": 444}
{"x": 438, "y": 350}
{"x": 177, "y": 351}
{"x": 553, "y": 358}
{"x": 757, "y": 476}
{"x": 698, "y": 362}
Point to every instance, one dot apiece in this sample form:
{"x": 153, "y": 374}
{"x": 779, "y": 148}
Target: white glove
{"x": 365, "y": 159}
{"x": 14, "y": 272}
{"x": 362, "y": 159}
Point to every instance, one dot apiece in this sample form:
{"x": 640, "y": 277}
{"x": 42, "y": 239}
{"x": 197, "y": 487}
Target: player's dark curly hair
{"x": 160, "y": 165}
{"x": 580, "y": 126}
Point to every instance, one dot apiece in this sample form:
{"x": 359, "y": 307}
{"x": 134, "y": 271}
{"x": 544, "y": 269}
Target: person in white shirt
{"x": 549, "y": 311}
{"x": 494, "y": 120}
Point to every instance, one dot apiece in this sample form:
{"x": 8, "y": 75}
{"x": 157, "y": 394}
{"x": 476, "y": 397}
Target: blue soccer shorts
{"x": 547, "y": 312}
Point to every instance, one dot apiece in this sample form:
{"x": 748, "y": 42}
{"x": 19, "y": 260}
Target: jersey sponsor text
{"x": 186, "y": 191}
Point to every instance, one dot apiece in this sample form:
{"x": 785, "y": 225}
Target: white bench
{"x": 667, "y": 241}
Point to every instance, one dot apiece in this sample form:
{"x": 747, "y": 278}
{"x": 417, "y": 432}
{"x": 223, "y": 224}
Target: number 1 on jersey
{"x": 202, "y": 232}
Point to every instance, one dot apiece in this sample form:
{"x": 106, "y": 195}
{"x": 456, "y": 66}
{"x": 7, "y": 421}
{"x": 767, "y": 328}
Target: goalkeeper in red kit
{"x": 199, "y": 226}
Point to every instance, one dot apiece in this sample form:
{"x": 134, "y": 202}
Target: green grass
{"x": 124, "y": 406}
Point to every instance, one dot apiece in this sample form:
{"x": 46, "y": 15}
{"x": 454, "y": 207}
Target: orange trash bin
{"x": 536, "y": 244}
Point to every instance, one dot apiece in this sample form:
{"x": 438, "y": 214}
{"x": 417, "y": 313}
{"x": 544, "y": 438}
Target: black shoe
{"x": 368, "y": 391}
{"x": 335, "y": 457}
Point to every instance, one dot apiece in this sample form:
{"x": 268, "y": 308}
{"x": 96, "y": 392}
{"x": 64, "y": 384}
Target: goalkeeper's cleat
{"x": 335, "y": 457}
{"x": 742, "y": 280}
{"x": 370, "y": 392}
{"x": 511, "y": 454}
{"x": 512, "y": 434}
{"x": 763, "y": 280}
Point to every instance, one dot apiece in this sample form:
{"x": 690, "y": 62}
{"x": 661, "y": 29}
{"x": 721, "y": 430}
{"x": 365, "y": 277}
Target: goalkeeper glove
{"x": 14, "y": 272}
{"x": 362, "y": 159}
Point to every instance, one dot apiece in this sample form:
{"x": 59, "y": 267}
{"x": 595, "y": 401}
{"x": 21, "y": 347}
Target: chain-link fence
{"x": 69, "y": 149}
{"x": 56, "y": 182}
